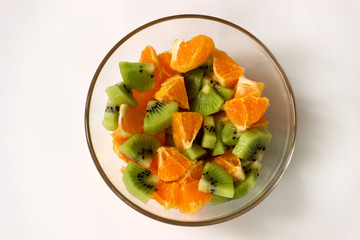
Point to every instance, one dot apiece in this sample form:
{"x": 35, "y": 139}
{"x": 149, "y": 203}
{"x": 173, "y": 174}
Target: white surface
{"x": 49, "y": 186}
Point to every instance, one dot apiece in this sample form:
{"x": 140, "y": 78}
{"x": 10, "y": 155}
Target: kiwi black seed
{"x": 193, "y": 81}
{"x": 137, "y": 75}
{"x": 141, "y": 148}
{"x": 139, "y": 181}
{"x": 158, "y": 116}
{"x": 216, "y": 180}
{"x": 229, "y": 134}
{"x": 220, "y": 147}
{"x": 121, "y": 94}
{"x": 207, "y": 102}
{"x": 209, "y": 135}
{"x": 111, "y": 116}
{"x": 252, "y": 144}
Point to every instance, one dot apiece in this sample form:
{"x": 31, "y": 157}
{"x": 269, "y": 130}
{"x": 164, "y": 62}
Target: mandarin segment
{"x": 247, "y": 87}
{"x": 173, "y": 90}
{"x": 167, "y": 194}
{"x": 131, "y": 121}
{"x": 235, "y": 110}
{"x": 231, "y": 164}
{"x": 149, "y": 55}
{"x": 262, "y": 123}
{"x": 191, "y": 54}
{"x": 191, "y": 200}
{"x": 164, "y": 60}
{"x": 193, "y": 173}
{"x": 255, "y": 108}
{"x": 226, "y": 70}
{"x": 185, "y": 127}
{"x": 171, "y": 163}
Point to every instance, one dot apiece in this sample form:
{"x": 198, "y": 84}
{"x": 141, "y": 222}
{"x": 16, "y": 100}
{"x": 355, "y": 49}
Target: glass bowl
{"x": 247, "y": 51}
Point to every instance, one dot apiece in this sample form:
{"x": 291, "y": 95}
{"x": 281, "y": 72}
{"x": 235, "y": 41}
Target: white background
{"x": 49, "y": 52}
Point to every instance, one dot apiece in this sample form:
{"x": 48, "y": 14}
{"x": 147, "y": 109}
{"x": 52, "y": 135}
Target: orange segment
{"x": 262, "y": 123}
{"x": 193, "y": 173}
{"x": 164, "y": 60}
{"x": 255, "y": 107}
{"x": 191, "y": 199}
{"x": 185, "y": 127}
{"x": 173, "y": 90}
{"x": 131, "y": 121}
{"x": 191, "y": 54}
{"x": 167, "y": 194}
{"x": 226, "y": 70}
{"x": 247, "y": 87}
{"x": 171, "y": 164}
{"x": 161, "y": 137}
{"x": 243, "y": 112}
{"x": 235, "y": 110}
{"x": 231, "y": 164}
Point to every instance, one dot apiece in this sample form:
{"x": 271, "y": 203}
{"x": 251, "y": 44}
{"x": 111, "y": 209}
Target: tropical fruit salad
{"x": 189, "y": 126}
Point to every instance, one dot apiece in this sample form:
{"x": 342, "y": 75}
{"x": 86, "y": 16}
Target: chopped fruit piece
{"x": 167, "y": 194}
{"x": 191, "y": 54}
{"x": 231, "y": 164}
{"x": 185, "y": 127}
{"x": 226, "y": 70}
{"x": 173, "y": 90}
{"x": 164, "y": 60}
{"x": 131, "y": 121}
{"x": 191, "y": 200}
{"x": 246, "y": 87}
{"x": 171, "y": 164}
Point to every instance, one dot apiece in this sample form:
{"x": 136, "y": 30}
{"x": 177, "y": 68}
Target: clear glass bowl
{"x": 246, "y": 50}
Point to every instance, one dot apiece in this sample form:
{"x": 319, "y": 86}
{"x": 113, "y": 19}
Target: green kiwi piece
{"x": 195, "y": 152}
{"x": 158, "y": 116}
{"x": 120, "y": 94}
{"x": 251, "y": 178}
{"x": 209, "y": 136}
{"x": 220, "y": 147}
{"x": 216, "y": 180}
{"x": 252, "y": 144}
{"x": 137, "y": 75}
{"x": 193, "y": 81}
{"x": 240, "y": 190}
{"x": 208, "y": 67}
{"x": 224, "y": 92}
{"x": 111, "y": 116}
{"x": 139, "y": 181}
{"x": 207, "y": 101}
{"x": 141, "y": 148}
{"x": 230, "y": 135}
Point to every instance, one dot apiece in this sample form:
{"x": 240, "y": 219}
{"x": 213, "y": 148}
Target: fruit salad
{"x": 189, "y": 126}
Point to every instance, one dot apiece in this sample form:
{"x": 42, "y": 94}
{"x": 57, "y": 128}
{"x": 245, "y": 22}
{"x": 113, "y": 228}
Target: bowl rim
{"x": 268, "y": 189}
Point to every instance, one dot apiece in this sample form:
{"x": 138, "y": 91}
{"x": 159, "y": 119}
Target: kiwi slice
{"x": 209, "y": 136}
{"x": 240, "y": 190}
{"x": 193, "y": 81}
{"x": 139, "y": 181}
{"x": 120, "y": 94}
{"x": 220, "y": 147}
{"x": 207, "y": 101}
{"x": 208, "y": 67}
{"x": 224, "y": 92}
{"x": 141, "y": 148}
{"x": 195, "y": 152}
{"x": 252, "y": 144}
{"x": 216, "y": 180}
{"x": 111, "y": 116}
{"x": 137, "y": 75}
{"x": 230, "y": 135}
{"x": 158, "y": 116}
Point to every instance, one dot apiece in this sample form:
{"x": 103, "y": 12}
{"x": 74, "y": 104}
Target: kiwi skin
{"x": 158, "y": 116}
{"x": 139, "y": 181}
